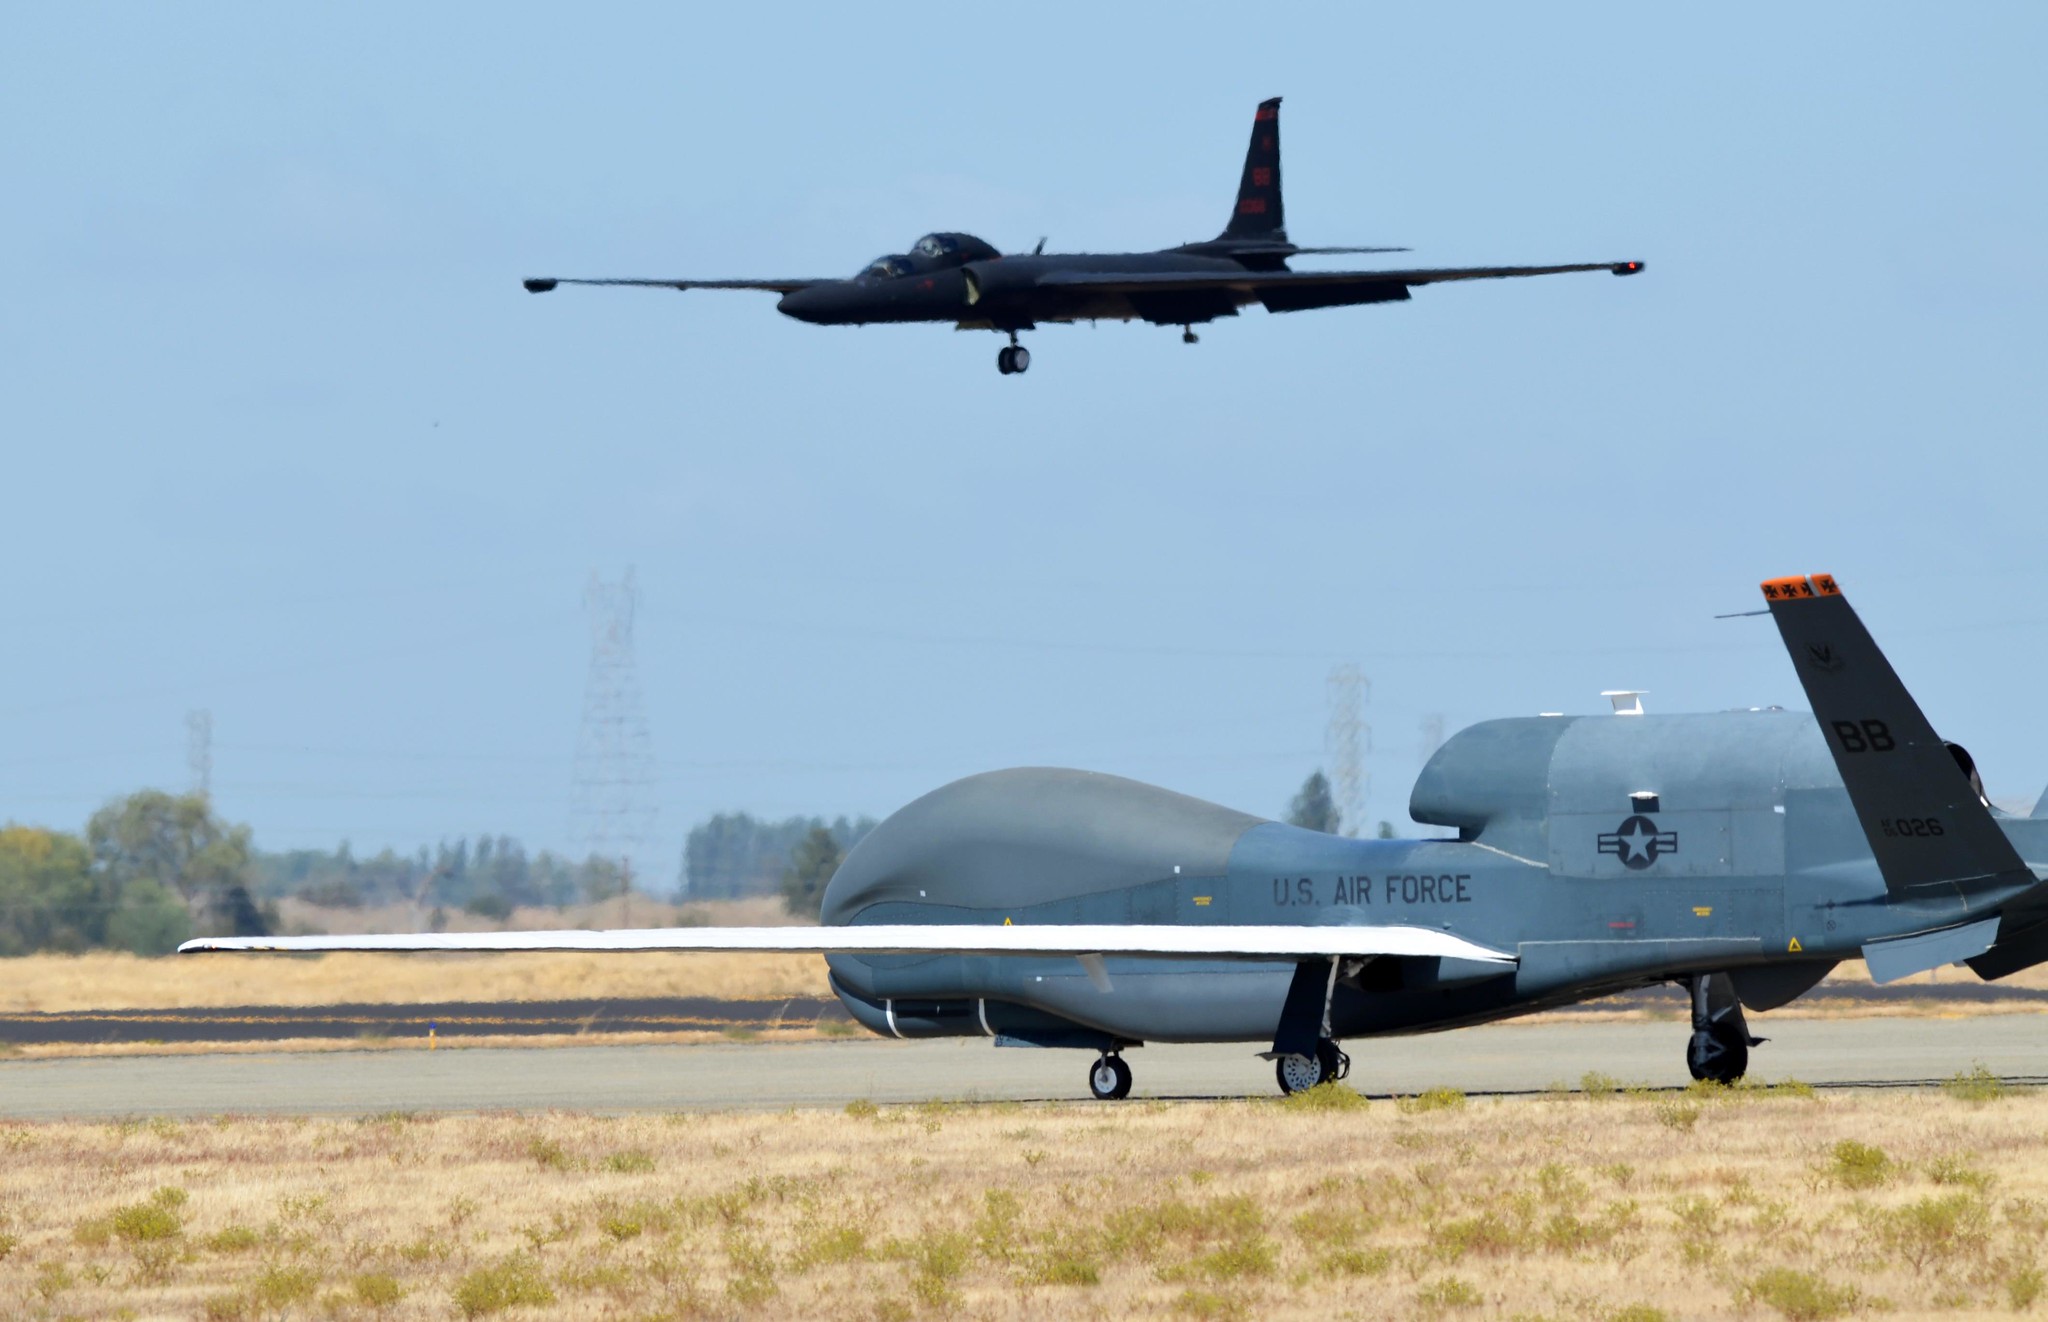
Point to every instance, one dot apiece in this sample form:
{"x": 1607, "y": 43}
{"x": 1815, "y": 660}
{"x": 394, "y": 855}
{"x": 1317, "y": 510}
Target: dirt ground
{"x": 1596, "y": 1203}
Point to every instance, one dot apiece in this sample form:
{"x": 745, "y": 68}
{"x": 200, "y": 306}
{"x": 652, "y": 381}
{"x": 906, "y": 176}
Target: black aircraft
{"x": 961, "y": 279}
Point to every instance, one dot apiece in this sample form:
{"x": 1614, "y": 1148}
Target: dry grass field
{"x": 1756, "y": 1203}
{"x": 112, "y": 981}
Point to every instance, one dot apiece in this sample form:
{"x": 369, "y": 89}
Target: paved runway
{"x": 1504, "y": 1058}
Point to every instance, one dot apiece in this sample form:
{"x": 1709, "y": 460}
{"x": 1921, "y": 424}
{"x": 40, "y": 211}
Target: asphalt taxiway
{"x": 1506, "y": 1058}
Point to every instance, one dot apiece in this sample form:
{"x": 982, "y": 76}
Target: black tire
{"x": 1109, "y": 1079}
{"x": 1300, "y": 1073}
{"x": 1004, "y": 362}
{"x": 1717, "y": 1058}
{"x": 1020, "y": 359}
{"x": 1334, "y": 1062}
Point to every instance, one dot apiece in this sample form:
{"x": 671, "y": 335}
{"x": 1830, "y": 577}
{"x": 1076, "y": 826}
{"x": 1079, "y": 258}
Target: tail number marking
{"x": 1917, "y": 827}
{"x": 1864, "y": 736}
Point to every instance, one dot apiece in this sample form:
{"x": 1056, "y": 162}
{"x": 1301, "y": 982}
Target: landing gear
{"x": 1300, "y": 1073}
{"x": 1188, "y": 336}
{"x": 1110, "y": 1078}
{"x": 1013, "y": 358}
{"x": 1719, "y": 1049}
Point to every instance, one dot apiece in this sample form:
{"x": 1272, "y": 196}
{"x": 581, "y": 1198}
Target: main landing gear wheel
{"x": 1013, "y": 358}
{"x": 1188, "y": 336}
{"x": 1110, "y": 1079}
{"x": 1300, "y": 1073}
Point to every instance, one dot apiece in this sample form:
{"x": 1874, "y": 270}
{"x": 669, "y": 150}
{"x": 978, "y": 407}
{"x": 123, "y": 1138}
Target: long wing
{"x": 1154, "y": 939}
{"x": 543, "y": 284}
{"x": 1256, "y": 283}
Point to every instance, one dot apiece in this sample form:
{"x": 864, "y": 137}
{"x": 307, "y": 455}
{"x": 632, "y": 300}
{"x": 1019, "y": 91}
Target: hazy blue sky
{"x": 285, "y": 440}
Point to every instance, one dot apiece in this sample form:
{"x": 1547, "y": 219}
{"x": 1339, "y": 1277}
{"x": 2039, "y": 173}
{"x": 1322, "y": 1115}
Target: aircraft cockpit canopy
{"x": 952, "y": 249}
{"x": 933, "y": 252}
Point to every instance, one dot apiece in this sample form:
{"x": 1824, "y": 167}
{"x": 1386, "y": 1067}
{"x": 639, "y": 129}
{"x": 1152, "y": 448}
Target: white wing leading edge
{"x": 1205, "y": 941}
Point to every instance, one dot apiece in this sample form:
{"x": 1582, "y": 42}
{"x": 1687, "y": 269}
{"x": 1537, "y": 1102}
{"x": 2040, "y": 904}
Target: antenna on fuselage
{"x": 1040, "y": 249}
{"x": 1627, "y": 702}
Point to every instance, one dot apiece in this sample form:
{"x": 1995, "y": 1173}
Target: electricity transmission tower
{"x": 612, "y": 809}
{"x": 1432, "y": 734}
{"x": 1346, "y": 739}
{"x": 199, "y": 750}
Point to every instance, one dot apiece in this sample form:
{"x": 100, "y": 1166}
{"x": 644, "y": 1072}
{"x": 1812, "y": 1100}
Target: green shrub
{"x": 1800, "y": 1296}
{"x": 506, "y": 1284}
{"x": 279, "y": 1287}
{"x": 1599, "y": 1085}
{"x": 141, "y": 1223}
{"x": 1487, "y": 1235}
{"x": 631, "y": 1162}
{"x": 1357, "y": 1262}
{"x": 860, "y": 1108}
{"x": 1065, "y": 1264}
{"x": 1978, "y": 1084}
{"x": 2023, "y": 1288}
{"x": 1449, "y": 1293}
{"x": 1856, "y": 1165}
{"x": 231, "y": 1239}
{"x": 549, "y": 1154}
{"x": 753, "y": 1271}
{"x": 1436, "y": 1099}
{"x": 1681, "y": 1116}
{"x": 1959, "y": 1171}
{"x": 620, "y": 1224}
{"x": 1329, "y": 1095}
{"x": 1209, "y": 1304}
{"x": 377, "y": 1290}
{"x": 226, "y": 1308}
{"x": 1931, "y": 1230}
{"x": 832, "y": 1245}
{"x": 1638, "y": 1313}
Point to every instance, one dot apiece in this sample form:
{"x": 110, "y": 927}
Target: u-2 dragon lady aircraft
{"x": 1741, "y": 854}
{"x": 961, "y": 279}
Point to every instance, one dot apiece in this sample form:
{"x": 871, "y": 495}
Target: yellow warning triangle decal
{"x": 1006, "y": 923}
{"x": 1794, "y": 947}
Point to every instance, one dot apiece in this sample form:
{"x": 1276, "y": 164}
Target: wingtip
{"x": 539, "y": 286}
{"x": 1627, "y": 268}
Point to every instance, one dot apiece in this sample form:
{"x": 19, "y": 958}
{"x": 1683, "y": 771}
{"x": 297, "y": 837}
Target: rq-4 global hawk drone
{"x": 1742, "y": 854}
{"x": 960, "y": 279}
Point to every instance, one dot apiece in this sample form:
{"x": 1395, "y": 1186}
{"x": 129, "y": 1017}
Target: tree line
{"x": 153, "y": 869}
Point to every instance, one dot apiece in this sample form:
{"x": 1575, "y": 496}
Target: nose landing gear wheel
{"x": 1300, "y": 1073}
{"x": 1719, "y": 1057}
{"x": 1110, "y": 1079}
{"x": 1188, "y": 336}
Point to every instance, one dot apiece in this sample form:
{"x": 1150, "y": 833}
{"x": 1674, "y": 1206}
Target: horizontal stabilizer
{"x": 1904, "y": 956}
{"x": 1924, "y": 821}
{"x": 1199, "y": 941}
{"x": 545, "y": 284}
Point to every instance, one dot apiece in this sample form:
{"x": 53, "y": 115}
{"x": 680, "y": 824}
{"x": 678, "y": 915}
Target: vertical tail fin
{"x": 1923, "y": 818}
{"x": 1257, "y": 214}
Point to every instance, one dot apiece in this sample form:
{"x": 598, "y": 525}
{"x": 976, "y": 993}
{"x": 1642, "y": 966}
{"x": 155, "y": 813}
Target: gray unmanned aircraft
{"x": 1740, "y": 854}
{"x": 961, "y": 279}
